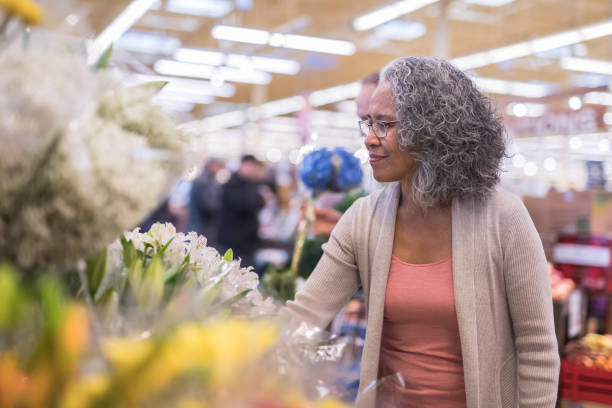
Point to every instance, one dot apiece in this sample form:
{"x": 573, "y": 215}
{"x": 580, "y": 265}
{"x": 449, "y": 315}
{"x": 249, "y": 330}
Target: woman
{"x": 453, "y": 270}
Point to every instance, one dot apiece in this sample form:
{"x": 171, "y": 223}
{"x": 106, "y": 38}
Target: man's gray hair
{"x": 449, "y": 127}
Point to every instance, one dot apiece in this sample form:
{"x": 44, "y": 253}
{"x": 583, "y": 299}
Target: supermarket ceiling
{"x": 555, "y": 45}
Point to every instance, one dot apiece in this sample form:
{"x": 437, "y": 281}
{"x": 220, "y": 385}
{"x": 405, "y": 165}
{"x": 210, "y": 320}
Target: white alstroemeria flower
{"x": 136, "y": 237}
{"x": 206, "y": 262}
{"x": 177, "y": 250}
{"x": 159, "y": 234}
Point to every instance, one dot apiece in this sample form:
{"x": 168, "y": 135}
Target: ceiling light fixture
{"x": 177, "y": 68}
{"x": 148, "y": 43}
{"x": 184, "y": 85}
{"x": 132, "y": 13}
{"x": 504, "y": 87}
{"x": 525, "y": 48}
{"x": 334, "y": 94}
{"x": 186, "y": 24}
{"x": 293, "y": 41}
{"x": 389, "y": 12}
{"x": 211, "y": 57}
{"x": 586, "y": 65}
{"x": 171, "y": 96}
{"x": 205, "y": 8}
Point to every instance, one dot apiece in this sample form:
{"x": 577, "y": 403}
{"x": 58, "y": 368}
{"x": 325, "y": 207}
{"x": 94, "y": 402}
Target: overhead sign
{"x": 587, "y": 120}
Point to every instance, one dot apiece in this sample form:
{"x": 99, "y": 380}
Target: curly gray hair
{"x": 449, "y": 127}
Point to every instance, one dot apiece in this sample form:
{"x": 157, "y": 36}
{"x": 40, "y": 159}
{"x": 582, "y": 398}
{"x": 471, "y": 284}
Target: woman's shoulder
{"x": 506, "y": 204}
{"x": 370, "y": 202}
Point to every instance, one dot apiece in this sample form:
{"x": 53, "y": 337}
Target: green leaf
{"x": 134, "y": 274}
{"x": 130, "y": 254}
{"x": 96, "y": 269}
{"x": 104, "y": 60}
{"x": 229, "y": 302}
{"x": 163, "y": 248}
{"x": 155, "y": 85}
{"x": 229, "y": 255}
{"x": 108, "y": 303}
{"x": 152, "y": 290}
{"x": 11, "y": 297}
{"x": 52, "y": 301}
{"x": 209, "y": 293}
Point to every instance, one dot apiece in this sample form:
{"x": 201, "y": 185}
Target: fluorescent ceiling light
{"x": 542, "y": 44}
{"x": 598, "y": 98}
{"x": 279, "y": 107}
{"x": 387, "y": 13}
{"x": 240, "y": 34}
{"x": 316, "y": 44}
{"x": 187, "y": 24}
{"x": 167, "y": 95}
{"x": 206, "y": 8}
{"x": 524, "y": 89}
{"x": 210, "y": 57}
{"x": 132, "y": 13}
{"x": 184, "y": 85}
{"x": 199, "y": 56}
{"x": 173, "y": 106}
{"x": 489, "y": 3}
{"x": 297, "y": 42}
{"x": 221, "y": 121}
{"x": 268, "y": 64}
{"x": 401, "y": 30}
{"x": 586, "y": 65}
{"x": 334, "y": 94}
{"x": 148, "y": 43}
{"x": 177, "y": 68}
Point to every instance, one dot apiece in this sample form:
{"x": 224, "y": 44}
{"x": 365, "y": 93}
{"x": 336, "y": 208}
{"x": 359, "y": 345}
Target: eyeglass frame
{"x": 387, "y": 125}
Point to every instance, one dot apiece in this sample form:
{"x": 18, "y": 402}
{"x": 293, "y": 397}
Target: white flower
{"x": 159, "y": 234}
{"x": 136, "y": 237}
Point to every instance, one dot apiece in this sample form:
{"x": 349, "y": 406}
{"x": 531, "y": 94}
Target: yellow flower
{"x": 331, "y": 403}
{"x": 83, "y": 393}
{"x": 126, "y": 353}
{"x": 74, "y": 331}
{"x": 27, "y": 10}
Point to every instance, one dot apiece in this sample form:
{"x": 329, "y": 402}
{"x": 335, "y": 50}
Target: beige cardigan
{"x": 502, "y": 295}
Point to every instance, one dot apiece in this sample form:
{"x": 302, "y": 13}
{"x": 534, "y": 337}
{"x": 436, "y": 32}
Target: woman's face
{"x": 388, "y": 162}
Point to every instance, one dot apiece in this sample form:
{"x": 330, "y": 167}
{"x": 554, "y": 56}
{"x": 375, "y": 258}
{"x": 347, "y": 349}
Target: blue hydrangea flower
{"x": 317, "y": 170}
{"x": 349, "y": 174}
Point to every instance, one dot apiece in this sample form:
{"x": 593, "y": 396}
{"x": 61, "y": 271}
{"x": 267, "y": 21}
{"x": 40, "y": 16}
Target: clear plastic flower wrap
{"x": 82, "y": 158}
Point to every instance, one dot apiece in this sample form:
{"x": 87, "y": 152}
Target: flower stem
{"x": 301, "y": 236}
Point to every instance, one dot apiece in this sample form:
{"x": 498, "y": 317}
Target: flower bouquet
{"x": 76, "y": 173}
{"x": 322, "y": 170}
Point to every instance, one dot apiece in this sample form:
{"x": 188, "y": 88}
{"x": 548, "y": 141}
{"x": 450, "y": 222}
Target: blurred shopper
{"x": 453, "y": 270}
{"x": 242, "y": 197}
{"x": 205, "y": 200}
{"x": 326, "y": 218}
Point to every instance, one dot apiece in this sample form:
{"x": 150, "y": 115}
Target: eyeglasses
{"x": 379, "y": 127}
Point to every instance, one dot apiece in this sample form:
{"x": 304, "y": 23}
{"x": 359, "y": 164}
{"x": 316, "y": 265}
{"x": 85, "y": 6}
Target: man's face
{"x": 363, "y": 99}
{"x": 252, "y": 171}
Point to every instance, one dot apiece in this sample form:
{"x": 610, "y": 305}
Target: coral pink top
{"x": 420, "y": 338}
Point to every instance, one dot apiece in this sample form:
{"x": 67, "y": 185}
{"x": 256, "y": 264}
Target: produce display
{"x": 561, "y": 286}
{"x": 592, "y": 351}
